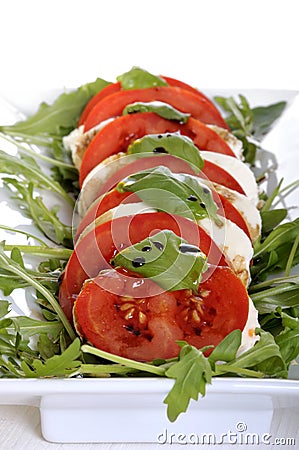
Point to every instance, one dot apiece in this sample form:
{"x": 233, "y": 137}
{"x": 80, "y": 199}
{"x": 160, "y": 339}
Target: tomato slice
{"x": 181, "y": 99}
{"x": 107, "y": 90}
{"x": 110, "y": 316}
{"x": 117, "y": 135}
{"x": 95, "y": 249}
{"x": 113, "y": 198}
{"x": 108, "y": 175}
{"x": 116, "y": 87}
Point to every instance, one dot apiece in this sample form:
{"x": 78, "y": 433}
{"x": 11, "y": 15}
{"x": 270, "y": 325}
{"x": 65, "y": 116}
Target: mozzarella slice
{"x": 235, "y": 144}
{"x": 98, "y": 176}
{"x": 234, "y": 243}
{"x": 245, "y": 207}
{"x": 249, "y": 338}
{"x": 77, "y": 141}
{"x": 239, "y": 170}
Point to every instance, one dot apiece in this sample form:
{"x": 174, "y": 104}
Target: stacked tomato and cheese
{"x": 132, "y": 161}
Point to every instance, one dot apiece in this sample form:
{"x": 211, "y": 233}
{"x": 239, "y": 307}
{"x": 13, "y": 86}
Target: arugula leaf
{"x": 162, "y": 109}
{"x": 56, "y": 119}
{"x": 240, "y": 118}
{"x": 227, "y": 349}
{"x": 138, "y": 78}
{"x": 249, "y": 124}
{"x": 26, "y": 169}
{"x": 281, "y": 235}
{"x": 280, "y": 292}
{"x": 278, "y": 252}
{"x": 65, "y": 364}
{"x": 272, "y": 218}
{"x": 166, "y": 259}
{"x": 18, "y": 270}
{"x": 192, "y": 372}
{"x": 125, "y": 362}
{"x": 288, "y": 339}
{"x": 29, "y": 327}
{"x": 264, "y": 358}
{"x": 4, "y": 308}
{"x": 45, "y": 218}
{"x": 15, "y": 334}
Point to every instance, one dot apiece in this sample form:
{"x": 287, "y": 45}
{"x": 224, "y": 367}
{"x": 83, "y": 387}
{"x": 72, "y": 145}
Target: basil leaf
{"x": 138, "y": 78}
{"x": 166, "y": 259}
{"x": 161, "y": 109}
{"x": 60, "y": 117}
{"x": 180, "y": 194}
{"x": 168, "y": 143}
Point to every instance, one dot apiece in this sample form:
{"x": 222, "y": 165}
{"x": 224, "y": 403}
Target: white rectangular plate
{"x": 132, "y": 410}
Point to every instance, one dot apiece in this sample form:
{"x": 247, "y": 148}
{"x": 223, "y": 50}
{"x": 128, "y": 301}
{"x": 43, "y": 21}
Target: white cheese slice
{"x": 98, "y": 176}
{"x": 234, "y": 243}
{"x": 249, "y": 338}
{"x": 235, "y": 144}
{"x": 77, "y": 141}
{"x": 245, "y": 207}
{"x": 239, "y": 170}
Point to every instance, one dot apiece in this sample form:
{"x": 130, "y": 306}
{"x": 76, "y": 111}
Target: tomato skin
{"x": 147, "y": 327}
{"x": 116, "y": 136}
{"x": 113, "y": 198}
{"x": 107, "y": 90}
{"x": 181, "y": 99}
{"x": 116, "y": 87}
{"x": 93, "y": 251}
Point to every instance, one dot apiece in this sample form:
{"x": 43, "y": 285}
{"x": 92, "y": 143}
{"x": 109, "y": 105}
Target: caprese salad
{"x": 160, "y": 175}
{"x": 168, "y": 220}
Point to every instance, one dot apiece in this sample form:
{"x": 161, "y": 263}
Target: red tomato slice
{"x": 210, "y": 172}
{"x": 116, "y": 87}
{"x": 116, "y": 136}
{"x": 181, "y": 99}
{"x": 146, "y": 328}
{"x": 93, "y": 251}
{"x": 107, "y": 90}
{"x": 113, "y": 198}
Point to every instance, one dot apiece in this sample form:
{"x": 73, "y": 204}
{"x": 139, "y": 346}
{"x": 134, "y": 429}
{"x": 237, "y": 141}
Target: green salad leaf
{"x": 191, "y": 373}
{"x": 170, "y": 144}
{"x": 249, "y": 124}
{"x": 181, "y": 194}
{"x": 138, "y": 78}
{"x": 162, "y": 109}
{"x": 57, "y": 119}
{"x": 56, "y": 350}
{"x": 166, "y": 259}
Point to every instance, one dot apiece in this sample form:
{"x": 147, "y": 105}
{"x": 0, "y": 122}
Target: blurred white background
{"x": 214, "y": 43}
